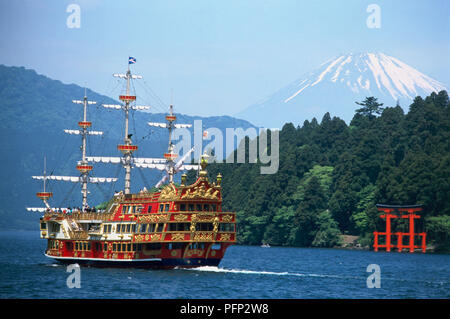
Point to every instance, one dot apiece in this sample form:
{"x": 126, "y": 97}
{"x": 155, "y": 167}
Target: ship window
{"x": 141, "y": 228}
{"x": 215, "y": 246}
{"x": 139, "y": 247}
{"x": 88, "y": 246}
{"x": 129, "y": 247}
{"x": 199, "y": 207}
{"x": 133, "y": 228}
{"x": 107, "y": 228}
{"x": 105, "y": 247}
{"x": 167, "y": 207}
{"x": 226, "y": 227}
{"x": 214, "y": 207}
{"x": 54, "y": 228}
{"x": 139, "y": 209}
{"x": 191, "y": 207}
{"x": 206, "y": 207}
{"x": 161, "y": 207}
{"x": 114, "y": 247}
{"x": 183, "y": 207}
{"x": 178, "y": 227}
{"x": 149, "y": 209}
{"x": 197, "y": 246}
{"x": 128, "y": 228}
{"x": 151, "y": 228}
{"x": 124, "y": 209}
{"x": 43, "y": 226}
{"x": 160, "y": 228}
{"x": 204, "y": 226}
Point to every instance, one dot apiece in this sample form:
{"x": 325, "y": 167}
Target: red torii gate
{"x": 399, "y": 211}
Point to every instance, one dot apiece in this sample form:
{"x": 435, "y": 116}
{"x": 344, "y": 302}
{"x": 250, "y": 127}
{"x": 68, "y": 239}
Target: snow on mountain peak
{"x": 337, "y": 84}
{"x": 362, "y": 71}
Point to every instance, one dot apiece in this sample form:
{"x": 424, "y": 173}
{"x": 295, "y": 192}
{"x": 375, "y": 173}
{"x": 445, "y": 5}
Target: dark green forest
{"x": 332, "y": 174}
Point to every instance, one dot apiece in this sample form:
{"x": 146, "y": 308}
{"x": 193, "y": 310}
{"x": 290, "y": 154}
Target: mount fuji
{"x": 337, "y": 84}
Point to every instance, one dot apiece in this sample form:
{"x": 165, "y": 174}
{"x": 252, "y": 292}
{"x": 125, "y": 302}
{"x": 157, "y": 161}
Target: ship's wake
{"x": 256, "y": 272}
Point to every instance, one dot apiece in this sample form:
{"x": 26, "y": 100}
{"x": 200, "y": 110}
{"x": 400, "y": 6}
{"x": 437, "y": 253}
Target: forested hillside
{"x": 332, "y": 174}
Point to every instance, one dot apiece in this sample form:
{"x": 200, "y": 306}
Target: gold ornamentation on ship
{"x": 180, "y": 217}
{"x": 225, "y": 237}
{"x": 139, "y": 238}
{"x": 216, "y": 224}
{"x": 203, "y": 237}
{"x": 227, "y": 218}
{"x": 177, "y": 237}
{"x": 168, "y": 193}
{"x": 155, "y": 237}
{"x": 200, "y": 192}
{"x": 163, "y": 218}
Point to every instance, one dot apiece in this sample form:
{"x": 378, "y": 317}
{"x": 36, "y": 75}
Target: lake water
{"x": 245, "y": 272}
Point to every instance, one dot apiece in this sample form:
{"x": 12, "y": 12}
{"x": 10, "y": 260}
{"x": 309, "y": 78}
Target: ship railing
{"x": 90, "y": 216}
{"x": 79, "y": 234}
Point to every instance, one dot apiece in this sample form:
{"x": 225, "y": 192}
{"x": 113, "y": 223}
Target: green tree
{"x": 370, "y": 106}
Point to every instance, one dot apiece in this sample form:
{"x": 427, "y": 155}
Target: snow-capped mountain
{"x": 337, "y": 84}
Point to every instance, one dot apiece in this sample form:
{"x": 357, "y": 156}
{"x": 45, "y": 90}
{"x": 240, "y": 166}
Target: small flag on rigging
{"x": 131, "y": 60}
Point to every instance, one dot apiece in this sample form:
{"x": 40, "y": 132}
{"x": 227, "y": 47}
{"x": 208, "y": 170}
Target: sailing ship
{"x": 178, "y": 225}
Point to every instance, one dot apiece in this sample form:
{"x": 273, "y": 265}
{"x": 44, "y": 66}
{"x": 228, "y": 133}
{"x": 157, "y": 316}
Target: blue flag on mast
{"x": 131, "y": 60}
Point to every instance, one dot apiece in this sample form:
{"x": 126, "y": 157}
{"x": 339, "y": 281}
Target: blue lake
{"x": 245, "y": 272}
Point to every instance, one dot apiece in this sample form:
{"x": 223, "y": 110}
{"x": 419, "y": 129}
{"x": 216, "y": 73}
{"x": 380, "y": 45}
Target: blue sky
{"x": 216, "y": 57}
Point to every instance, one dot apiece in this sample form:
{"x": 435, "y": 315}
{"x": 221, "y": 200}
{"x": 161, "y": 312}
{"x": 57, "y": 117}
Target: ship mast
{"x": 171, "y": 167}
{"x": 127, "y": 148}
{"x": 82, "y": 166}
{"x": 45, "y": 195}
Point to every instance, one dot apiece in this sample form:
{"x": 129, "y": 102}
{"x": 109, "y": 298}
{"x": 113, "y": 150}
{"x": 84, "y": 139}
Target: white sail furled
{"x": 78, "y": 132}
{"x": 112, "y": 106}
{"x": 164, "y": 125}
{"x": 149, "y": 160}
{"x": 73, "y": 179}
{"x": 133, "y": 107}
{"x": 37, "y": 209}
{"x": 104, "y": 159}
{"x": 182, "y": 125}
{"x": 140, "y": 107}
{"x": 188, "y": 167}
{"x": 102, "y": 179}
{"x": 118, "y": 160}
{"x": 82, "y": 102}
{"x": 76, "y": 179}
{"x": 160, "y": 167}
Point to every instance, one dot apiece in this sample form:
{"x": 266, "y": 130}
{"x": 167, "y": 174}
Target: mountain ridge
{"x": 336, "y": 84}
